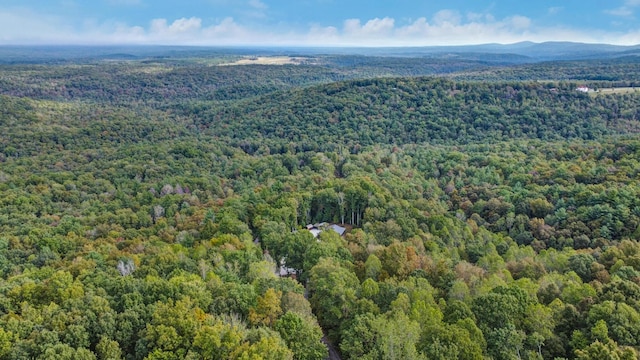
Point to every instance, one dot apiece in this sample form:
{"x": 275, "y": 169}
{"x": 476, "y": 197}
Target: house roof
{"x": 316, "y": 229}
{"x": 339, "y": 229}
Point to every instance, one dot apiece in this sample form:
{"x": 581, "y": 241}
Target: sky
{"x": 317, "y": 22}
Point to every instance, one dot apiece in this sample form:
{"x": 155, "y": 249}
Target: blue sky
{"x": 317, "y": 22}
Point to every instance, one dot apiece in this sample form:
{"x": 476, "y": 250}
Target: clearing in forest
{"x": 618, "y": 90}
{"x": 268, "y": 60}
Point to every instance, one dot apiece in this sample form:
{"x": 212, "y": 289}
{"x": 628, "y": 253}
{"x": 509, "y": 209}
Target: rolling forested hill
{"x": 421, "y": 110}
{"x": 149, "y": 205}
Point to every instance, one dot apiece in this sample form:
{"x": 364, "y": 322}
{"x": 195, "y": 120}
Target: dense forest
{"x": 158, "y": 210}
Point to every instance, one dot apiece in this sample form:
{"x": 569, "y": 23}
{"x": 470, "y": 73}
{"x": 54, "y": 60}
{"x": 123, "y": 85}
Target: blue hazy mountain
{"x": 522, "y": 52}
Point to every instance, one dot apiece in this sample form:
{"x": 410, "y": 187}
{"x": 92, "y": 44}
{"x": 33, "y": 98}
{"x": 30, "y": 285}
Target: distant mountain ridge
{"x": 520, "y": 52}
{"x": 530, "y": 51}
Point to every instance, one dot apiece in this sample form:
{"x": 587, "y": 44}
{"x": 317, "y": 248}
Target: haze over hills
{"x": 529, "y": 50}
{"x": 521, "y": 52}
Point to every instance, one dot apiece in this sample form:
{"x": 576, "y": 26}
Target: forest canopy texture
{"x": 157, "y": 208}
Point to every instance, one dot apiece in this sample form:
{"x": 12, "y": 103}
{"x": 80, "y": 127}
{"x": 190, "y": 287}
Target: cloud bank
{"x": 626, "y": 10}
{"x": 446, "y": 27}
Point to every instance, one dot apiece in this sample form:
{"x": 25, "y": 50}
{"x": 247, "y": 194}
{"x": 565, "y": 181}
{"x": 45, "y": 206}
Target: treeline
{"x": 622, "y": 71}
{"x": 199, "y": 77}
{"x": 156, "y": 83}
{"x": 159, "y": 82}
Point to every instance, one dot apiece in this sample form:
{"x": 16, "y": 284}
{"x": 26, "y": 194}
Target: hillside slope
{"x": 421, "y": 110}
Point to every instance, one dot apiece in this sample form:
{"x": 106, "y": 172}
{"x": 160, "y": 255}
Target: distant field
{"x": 619, "y": 90}
{"x": 269, "y": 60}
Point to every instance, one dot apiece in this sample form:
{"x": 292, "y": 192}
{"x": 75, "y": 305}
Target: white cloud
{"x": 623, "y": 11}
{"x": 25, "y": 25}
{"x": 628, "y": 38}
{"x": 255, "y": 9}
{"x": 373, "y": 28}
{"x": 447, "y": 18}
{"x": 446, "y": 27}
{"x": 227, "y": 32}
{"x": 420, "y": 26}
{"x": 626, "y": 10}
{"x": 257, "y": 4}
{"x": 554, "y": 10}
{"x": 519, "y": 22}
{"x": 320, "y": 31}
{"x": 177, "y": 28}
{"x": 480, "y": 17}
